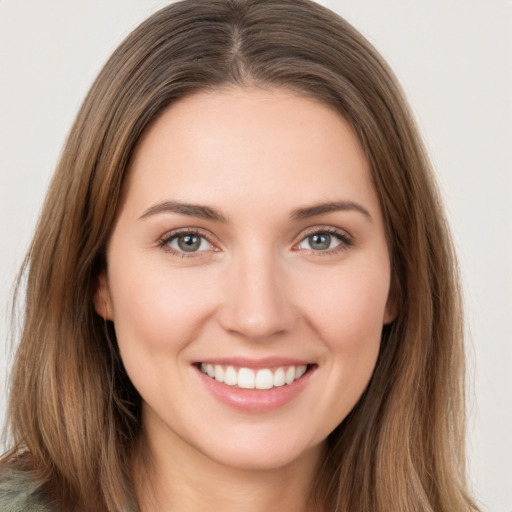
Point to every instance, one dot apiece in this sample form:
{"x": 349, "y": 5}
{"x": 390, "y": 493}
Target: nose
{"x": 256, "y": 303}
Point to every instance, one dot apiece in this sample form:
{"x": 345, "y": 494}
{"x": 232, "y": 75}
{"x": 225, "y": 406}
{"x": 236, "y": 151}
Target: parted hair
{"x": 74, "y": 417}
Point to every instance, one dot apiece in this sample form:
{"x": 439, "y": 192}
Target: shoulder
{"x": 19, "y": 493}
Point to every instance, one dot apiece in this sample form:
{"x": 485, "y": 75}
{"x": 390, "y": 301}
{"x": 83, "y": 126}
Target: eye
{"x": 187, "y": 242}
{"x": 325, "y": 241}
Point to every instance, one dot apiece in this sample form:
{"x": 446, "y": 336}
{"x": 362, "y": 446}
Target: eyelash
{"x": 168, "y": 238}
{"x": 344, "y": 238}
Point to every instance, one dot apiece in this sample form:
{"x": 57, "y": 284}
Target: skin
{"x": 255, "y": 289}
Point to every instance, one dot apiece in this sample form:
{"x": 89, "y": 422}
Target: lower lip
{"x": 255, "y": 400}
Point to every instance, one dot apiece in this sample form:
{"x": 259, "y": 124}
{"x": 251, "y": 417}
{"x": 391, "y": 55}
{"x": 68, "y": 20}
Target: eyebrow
{"x": 324, "y": 208}
{"x": 210, "y": 213}
{"x": 192, "y": 210}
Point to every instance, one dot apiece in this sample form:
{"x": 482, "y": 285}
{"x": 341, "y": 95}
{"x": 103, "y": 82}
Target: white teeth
{"x": 246, "y": 378}
{"x": 219, "y": 373}
{"x": 264, "y": 379}
{"x": 290, "y": 375}
{"x": 279, "y": 378}
{"x": 230, "y": 376}
{"x": 301, "y": 370}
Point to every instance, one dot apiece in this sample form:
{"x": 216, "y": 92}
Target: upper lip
{"x": 245, "y": 362}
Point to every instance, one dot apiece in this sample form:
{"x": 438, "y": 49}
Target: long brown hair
{"x": 74, "y": 416}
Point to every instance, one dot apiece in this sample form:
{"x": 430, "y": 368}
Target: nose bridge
{"x": 256, "y": 303}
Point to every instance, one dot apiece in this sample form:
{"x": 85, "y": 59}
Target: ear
{"x": 391, "y": 310}
{"x": 102, "y": 299}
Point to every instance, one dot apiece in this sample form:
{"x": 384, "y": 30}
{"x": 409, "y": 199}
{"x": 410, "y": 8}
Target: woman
{"x": 242, "y": 291}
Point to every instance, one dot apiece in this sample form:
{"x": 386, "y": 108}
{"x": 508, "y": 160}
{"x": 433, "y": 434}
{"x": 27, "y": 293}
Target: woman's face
{"x": 247, "y": 277}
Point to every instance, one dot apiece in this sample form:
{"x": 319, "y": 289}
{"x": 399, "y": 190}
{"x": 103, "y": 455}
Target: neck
{"x": 189, "y": 481}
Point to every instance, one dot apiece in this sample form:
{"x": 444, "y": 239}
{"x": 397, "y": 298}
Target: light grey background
{"x": 454, "y": 59}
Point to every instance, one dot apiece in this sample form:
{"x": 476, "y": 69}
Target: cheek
{"x": 347, "y": 314}
{"x": 348, "y": 317}
{"x": 349, "y": 310}
{"x": 156, "y": 309}
{"x": 157, "y": 314}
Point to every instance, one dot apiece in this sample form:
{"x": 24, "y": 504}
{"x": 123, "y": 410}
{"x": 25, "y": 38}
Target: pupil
{"x": 189, "y": 243}
{"x": 320, "y": 241}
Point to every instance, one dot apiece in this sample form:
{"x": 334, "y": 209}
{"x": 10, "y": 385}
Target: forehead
{"x": 245, "y": 144}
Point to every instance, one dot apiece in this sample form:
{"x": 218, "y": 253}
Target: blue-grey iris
{"x": 319, "y": 241}
{"x": 189, "y": 243}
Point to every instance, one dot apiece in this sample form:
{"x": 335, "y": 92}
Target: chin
{"x": 264, "y": 454}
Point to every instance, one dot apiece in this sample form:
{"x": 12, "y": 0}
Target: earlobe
{"x": 102, "y": 300}
{"x": 391, "y": 310}
{"x": 390, "y": 313}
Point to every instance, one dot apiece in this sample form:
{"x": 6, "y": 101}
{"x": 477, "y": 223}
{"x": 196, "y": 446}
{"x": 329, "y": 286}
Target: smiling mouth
{"x": 247, "y": 378}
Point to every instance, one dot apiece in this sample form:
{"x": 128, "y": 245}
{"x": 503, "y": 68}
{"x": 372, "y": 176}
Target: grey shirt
{"x": 19, "y": 493}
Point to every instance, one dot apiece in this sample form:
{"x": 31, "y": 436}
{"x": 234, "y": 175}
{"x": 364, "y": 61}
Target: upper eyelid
{"x": 184, "y": 231}
{"x": 324, "y": 229}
